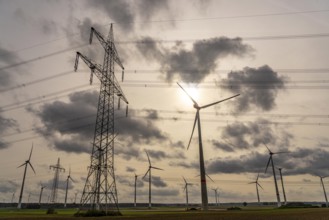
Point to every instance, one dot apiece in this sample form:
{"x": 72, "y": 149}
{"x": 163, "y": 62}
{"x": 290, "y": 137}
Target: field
{"x": 179, "y": 214}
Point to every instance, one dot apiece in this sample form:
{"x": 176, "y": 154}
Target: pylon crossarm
{"x": 99, "y": 37}
{"x": 91, "y": 64}
{"x": 119, "y": 91}
{"x": 116, "y": 56}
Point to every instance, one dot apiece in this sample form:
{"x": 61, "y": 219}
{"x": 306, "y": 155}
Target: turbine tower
{"x": 324, "y": 189}
{"x": 216, "y": 196}
{"x": 135, "y": 190}
{"x": 257, "y": 184}
{"x": 57, "y": 168}
{"x": 27, "y": 162}
{"x": 283, "y": 191}
{"x": 270, "y": 160}
{"x": 41, "y": 190}
{"x": 150, "y": 177}
{"x": 186, "y": 191}
{"x": 100, "y": 187}
{"x": 67, "y": 186}
{"x": 204, "y": 194}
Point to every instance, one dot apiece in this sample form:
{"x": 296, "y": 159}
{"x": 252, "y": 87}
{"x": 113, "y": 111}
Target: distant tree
{"x": 245, "y": 204}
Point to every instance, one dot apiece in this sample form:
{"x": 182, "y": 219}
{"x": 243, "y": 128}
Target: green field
{"x": 179, "y": 214}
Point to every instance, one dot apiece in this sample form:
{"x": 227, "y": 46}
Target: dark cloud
{"x": 8, "y": 59}
{"x": 130, "y": 169}
{"x": 184, "y": 164}
{"x": 193, "y": 65}
{"x": 148, "y": 8}
{"x": 69, "y": 126}
{"x": 258, "y": 87}
{"x": 297, "y": 162}
{"x": 8, "y": 186}
{"x": 250, "y": 135}
{"x": 158, "y": 182}
{"x": 5, "y": 125}
{"x": 125, "y": 14}
{"x": 120, "y": 11}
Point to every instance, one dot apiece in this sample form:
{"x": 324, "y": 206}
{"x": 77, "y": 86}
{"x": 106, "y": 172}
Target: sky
{"x": 272, "y": 53}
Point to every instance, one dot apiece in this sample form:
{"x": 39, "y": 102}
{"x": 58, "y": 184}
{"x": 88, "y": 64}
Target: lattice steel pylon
{"x": 57, "y": 168}
{"x": 100, "y": 188}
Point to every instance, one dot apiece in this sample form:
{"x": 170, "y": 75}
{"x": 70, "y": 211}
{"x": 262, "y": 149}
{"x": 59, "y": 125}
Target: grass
{"x": 160, "y": 213}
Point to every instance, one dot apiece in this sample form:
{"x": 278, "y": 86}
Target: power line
{"x": 301, "y": 36}
{"x": 65, "y": 73}
{"x": 185, "y": 20}
{"x": 42, "y": 99}
{"x": 290, "y": 123}
{"x": 231, "y": 17}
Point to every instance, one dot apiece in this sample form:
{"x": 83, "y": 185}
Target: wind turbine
{"x": 270, "y": 160}
{"x": 150, "y": 176}
{"x": 283, "y": 191}
{"x": 135, "y": 189}
{"x": 42, "y": 187}
{"x": 204, "y": 194}
{"x": 257, "y": 184}
{"x": 12, "y": 198}
{"x": 216, "y": 196}
{"x": 67, "y": 186}
{"x": 324, "y": 189}
{"x": 27, "y": 162}
{"x": 186, "y": 191}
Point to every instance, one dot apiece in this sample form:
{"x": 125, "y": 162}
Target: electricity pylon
{"x": 57, "y": 168}
{"x": 100, "y": 187}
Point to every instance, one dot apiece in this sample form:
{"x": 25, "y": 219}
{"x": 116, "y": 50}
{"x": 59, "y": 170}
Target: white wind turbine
{"x": 150, "y": 177}
{"x": 204, "y": 194}
{"x": 67, "y": 186}
{"x": 257, "y": 184}
{"x": 270, "y": 160}
{"x": 41, "y": 190}
{"x": 27, "y": 162}
{"x": 186, "y": 191}
{"x": 216, "y": 195}
{"x": 324, "y": 189}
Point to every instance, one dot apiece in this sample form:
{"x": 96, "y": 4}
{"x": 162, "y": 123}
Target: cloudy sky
{"x": 273, "y": 53}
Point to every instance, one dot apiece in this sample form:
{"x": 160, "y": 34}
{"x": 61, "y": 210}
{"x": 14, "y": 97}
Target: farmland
{"x": 179, "y": 213}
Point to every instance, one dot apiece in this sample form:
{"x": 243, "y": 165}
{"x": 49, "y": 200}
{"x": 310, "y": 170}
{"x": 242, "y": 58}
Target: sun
{"x": 193, "y": 91}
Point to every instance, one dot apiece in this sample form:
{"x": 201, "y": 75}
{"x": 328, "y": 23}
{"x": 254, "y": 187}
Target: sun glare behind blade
{"x": 188, "y": 94}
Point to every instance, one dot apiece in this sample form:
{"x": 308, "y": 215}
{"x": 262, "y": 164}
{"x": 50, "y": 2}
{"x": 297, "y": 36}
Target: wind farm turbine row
{"x": 58, "y": 168}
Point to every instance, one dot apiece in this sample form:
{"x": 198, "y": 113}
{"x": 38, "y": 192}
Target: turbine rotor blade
{"x": 260, "y": 185}
{"x": 156, "y": 168}
{"x": 31, "y": 167}
{"x": 257, "y": 177}
{"x": 214, "y": 103}
{"x": 282, "y": 152}
{"x": 21, "y": 165}
{"x": 184, "y": 180}
{"x": 146, "y": 173}
{"x": 267, "y": 148}
{"x": 72, "y": 179}
{"x": 148, "y": 157}
{"x": 268, "y": 163}
{"x": 31, "y": 152}
{"x": 195, "y": 103}
{"x": 195, "y": 120}
{"x": 210, "y": 178}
